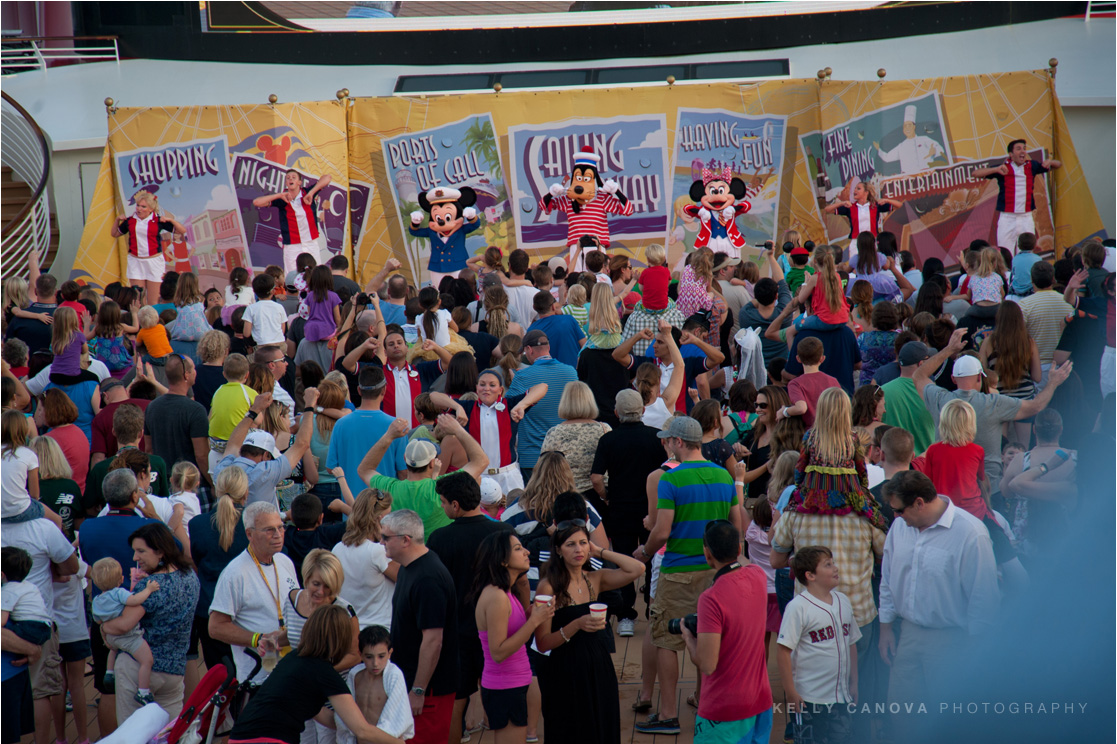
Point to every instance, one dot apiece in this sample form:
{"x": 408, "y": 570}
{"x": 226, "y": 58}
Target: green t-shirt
{"x": 418, "y": 496}
{"x": 795, "y": 277}
{"x": 904, "y": 408}
{"x": 94, "y": 498}
{"x": 64, "y": 497}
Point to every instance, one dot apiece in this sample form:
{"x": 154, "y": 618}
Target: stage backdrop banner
{"x": 752, "y": 147}
{"x": 809, "y": 142}
{"x": 918, "y": 141}
{"x": 632, "y": 151}
{"x": 206, "y": 164}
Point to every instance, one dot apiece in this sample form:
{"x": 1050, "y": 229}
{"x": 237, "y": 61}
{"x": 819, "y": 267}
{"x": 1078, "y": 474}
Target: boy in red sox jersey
{"x": 817, "y": 654}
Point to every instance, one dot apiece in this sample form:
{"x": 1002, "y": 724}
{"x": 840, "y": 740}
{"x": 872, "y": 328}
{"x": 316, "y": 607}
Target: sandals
{"x": 692, "y": 700}
{"x": 642, "y": 706}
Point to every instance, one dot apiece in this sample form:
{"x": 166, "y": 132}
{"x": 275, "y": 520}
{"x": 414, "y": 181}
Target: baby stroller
{"x": 209, "y": 704}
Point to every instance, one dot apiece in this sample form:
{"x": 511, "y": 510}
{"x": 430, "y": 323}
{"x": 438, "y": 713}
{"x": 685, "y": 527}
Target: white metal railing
{"x": 1094, "y": 9}
{"x": 20, "y": 54}
{"x": 25, "y": 151}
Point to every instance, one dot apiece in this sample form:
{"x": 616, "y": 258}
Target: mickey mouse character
{"x": 449, "y": 210}
{"x": 585, "y": 206}
{"x": 720, "y": 200}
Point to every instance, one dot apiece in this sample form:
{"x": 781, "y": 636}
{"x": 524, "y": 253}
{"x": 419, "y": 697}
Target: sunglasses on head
{"x": 714, "y": 523}
{"x": 568, "y": 523}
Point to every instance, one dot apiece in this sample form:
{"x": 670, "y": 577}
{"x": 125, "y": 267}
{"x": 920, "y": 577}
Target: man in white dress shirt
{"x": 940, "y": 577}
{"x": 914, "y": 153}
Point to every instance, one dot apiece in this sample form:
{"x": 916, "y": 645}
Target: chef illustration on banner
{"x": 915, "y": 152}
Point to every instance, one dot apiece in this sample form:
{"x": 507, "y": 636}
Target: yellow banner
{"x": 205, "y": 165}
{"x": 800, "y": 146}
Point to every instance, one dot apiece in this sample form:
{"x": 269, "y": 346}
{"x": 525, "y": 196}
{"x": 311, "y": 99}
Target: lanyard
{"x": 275, "y": 569}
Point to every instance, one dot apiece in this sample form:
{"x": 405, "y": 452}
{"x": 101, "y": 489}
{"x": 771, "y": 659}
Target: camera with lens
{"x": 675, "y": 624}
{"x": 363, "y": 299}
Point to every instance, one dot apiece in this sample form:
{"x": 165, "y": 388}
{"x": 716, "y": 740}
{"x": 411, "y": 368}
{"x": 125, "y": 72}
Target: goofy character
{"x": 586, "y": 208}
{"x": 449, "y": 210}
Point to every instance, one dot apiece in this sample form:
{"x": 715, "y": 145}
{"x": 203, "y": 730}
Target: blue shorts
{"x": 75, "y": 650}
{"x": 754, "y": 730}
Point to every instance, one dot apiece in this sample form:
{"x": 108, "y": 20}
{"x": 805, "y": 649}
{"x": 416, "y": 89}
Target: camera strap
{"x": 726, "y": 569}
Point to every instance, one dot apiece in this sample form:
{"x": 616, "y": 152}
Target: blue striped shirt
{"x": 698, "y": 492}
{"x": 543, "y": 415}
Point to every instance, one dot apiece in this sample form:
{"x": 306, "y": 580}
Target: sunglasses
{"x": 761, "y": 406}
{"x": 714, "y": 523}
{"x": 902, "y": 509}
{"x": 568, "y": 523}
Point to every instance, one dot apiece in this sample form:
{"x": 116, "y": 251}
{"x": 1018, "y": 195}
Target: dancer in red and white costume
{"x": 147, "y": 261}
{"x": 1016, "y": 201}
{"x": 864, "y": 210}
{"x": 493, "y": 420}
{"x": 297, "y": 221}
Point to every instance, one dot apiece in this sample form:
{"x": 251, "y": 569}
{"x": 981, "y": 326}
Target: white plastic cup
{"x": 543, "y": 599}
{"x": 598, "y": 610}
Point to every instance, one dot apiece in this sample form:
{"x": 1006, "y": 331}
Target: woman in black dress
{"x": 580, "y": 696}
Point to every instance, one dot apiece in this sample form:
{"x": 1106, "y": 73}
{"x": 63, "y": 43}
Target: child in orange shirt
{"x": 153, "y": 336}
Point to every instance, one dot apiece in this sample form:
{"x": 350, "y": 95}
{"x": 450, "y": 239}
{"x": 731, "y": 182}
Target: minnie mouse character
{"x": 585, "y": 206}
{"x": 449, "y": 210}
{"x": 720, "y": 200}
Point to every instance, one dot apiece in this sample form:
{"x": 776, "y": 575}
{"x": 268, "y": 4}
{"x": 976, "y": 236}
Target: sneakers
{"x": 656, "y": 726}
{"x": 626, "y": 628}
{"x": 110, "y": 679}
{"x": 143, "y": 698}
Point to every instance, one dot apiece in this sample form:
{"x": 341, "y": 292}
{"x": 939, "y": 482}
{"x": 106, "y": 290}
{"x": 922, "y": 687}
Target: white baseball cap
{"x": 262, "y": 440}
{"x": 490, "y": 491}
{"x": 967, "y": 366}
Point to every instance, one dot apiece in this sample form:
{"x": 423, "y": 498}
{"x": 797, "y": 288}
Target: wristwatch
{"x": 252, "y": 415}
{"x": 1043, "y": 468}
{"x": 421, "y": 692}
{"x": 308, "y": 409}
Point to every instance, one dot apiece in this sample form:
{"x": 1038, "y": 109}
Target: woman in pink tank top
{"x": 505, "y": 626}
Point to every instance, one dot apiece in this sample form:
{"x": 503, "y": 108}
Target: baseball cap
{"x": 629, "y": 403}
{"x": 724, "y": 259}
{"x": 800, "y": 251}
{"x": 109, "y": 383}
{"x": 683, "y": 427}
{"x": 419, "y": 453}
{"x": 913, "y": 352}
{"x": 490, "y": 491}
{"x": 262, "y": 440}
{"x": 967, "y": 366}
{"x": 492, "y": 279}
{"x": 536, "y": 338}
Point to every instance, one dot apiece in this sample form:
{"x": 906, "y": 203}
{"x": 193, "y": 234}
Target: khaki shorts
{"x": 46, "y": 673}
{"x": 676, "y": 595}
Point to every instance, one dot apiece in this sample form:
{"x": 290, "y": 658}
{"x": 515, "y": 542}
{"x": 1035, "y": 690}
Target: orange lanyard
{"x": 275, "y": 595}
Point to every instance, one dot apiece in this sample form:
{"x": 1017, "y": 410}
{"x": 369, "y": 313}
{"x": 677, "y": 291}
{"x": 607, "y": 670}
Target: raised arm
{"x": 714, "y": 355}
{"x": 301, "y": 444}
{"x": 372, "y": 459}
{"x": 623, "y": 352}
{"x": 922, "y": 376}
{"x": 832, "y": 208}
{"x": 375, "y": 283}
{"x": 804, "y": 296}
{"x": 678, "y": 373}
{"x": 236, "y": 439}
{"x": 443, "y": 355}
{"x": 996, "y": 170}
{"x": 265, "y": 201}
{"x": 478, "y": 460}
{"x": 772, "y": 332}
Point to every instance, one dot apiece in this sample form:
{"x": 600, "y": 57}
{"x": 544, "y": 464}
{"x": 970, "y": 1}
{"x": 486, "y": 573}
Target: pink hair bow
{"x": 724, "y": 175}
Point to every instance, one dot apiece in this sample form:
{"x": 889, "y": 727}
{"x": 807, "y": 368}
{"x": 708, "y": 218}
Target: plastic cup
{"x": 598, "y": 610}
{"x": 543, "y": 599}
{"x": 268, "y": 661}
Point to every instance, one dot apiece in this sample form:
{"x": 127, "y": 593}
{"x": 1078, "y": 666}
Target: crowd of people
{"x": 434, "y": 509}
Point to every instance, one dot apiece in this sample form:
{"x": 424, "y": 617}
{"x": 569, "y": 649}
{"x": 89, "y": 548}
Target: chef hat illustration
{"x": 909, "y": 114}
